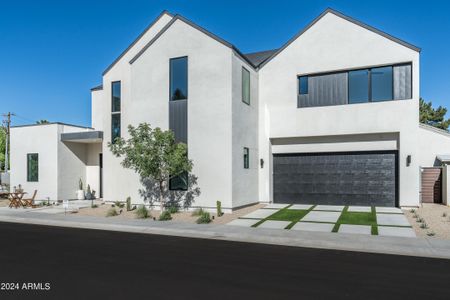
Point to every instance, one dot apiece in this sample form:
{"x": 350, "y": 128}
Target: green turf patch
{"x": 357, "y": 218}
{"x": 288, "y": 215}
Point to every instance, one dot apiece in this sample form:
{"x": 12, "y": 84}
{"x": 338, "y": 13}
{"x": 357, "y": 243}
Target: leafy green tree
{"x": 154, "y": 155}
{"x": 43, "y": 121}
{"x": 2, "y": 146}
{"x": 433, "y": 116}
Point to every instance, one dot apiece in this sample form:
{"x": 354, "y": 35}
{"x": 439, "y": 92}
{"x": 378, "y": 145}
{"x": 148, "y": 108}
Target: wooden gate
{"x": 431, "y": 185}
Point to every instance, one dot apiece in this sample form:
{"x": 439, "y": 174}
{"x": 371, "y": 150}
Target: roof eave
{"x": 164, "y": 12}
{"x": 341, "y": 15}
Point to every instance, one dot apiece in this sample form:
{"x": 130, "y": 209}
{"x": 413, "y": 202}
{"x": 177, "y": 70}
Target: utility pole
{"x": 7, "y": 124}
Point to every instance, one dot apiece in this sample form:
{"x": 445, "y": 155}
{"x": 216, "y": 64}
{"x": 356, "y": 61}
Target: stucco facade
{"x": 220, "y": 124}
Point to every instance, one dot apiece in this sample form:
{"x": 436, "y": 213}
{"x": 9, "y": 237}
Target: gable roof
{"x": 258, "y": 58}
{"x": 354, "y": 21}
{"x": 164, "y": 12}
{"x": 201, "y": 29}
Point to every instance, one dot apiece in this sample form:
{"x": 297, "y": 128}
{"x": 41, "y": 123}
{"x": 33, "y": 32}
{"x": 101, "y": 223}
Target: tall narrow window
{"x": 178, "y": 79}
{"x": 115, "y": 110}
{"x": 32, "y": 167}
{"x": 381, "y": 84}
{"x": 303, "y": 85}
{"x": 358, "y": 86}
{"x": 245, "y": 86}
{"x": 246, "y": 158}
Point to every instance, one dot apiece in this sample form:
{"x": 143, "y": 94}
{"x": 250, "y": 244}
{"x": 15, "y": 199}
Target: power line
{"x": 7, "y": 125}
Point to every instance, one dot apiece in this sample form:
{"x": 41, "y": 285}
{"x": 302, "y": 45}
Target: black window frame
{"x": 170, "y": 77}
{"x": 246, "y": 158}
{"x": 178, "y": 177}
{"x": 29, "y": 177}
{"x": 410, "y": 63}
{"x": 116, "y": 112}
{"x": 244, "y": 70}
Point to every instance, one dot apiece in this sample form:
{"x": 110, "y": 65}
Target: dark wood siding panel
{"x": 431, "y": 185}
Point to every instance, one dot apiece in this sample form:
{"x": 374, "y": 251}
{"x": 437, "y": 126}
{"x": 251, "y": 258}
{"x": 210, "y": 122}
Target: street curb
{"x": 420, "y": 247}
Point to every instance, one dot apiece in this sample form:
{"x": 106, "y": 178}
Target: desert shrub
{"x": 412, "y": 210}
{"x": 197, "y": 212}
{"x": 112, "y": 212}
{"x": 173, "y": 209}
{"x": 431, "y": 233}
{"x": 423, "y": 225}
{"x": 444, "y": 214}
{"x": 420, "y": 220}
{"x": 165, "y": 216}
{"x": 204, "y": 218}
{"x": 94, "y": 206}
{"x": 119, "y": 204}
{"x": 142, "y": 212}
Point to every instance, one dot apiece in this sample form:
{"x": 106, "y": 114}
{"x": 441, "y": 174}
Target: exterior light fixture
{"x": 261, "y": 162}
{"x": 408, "y": 160}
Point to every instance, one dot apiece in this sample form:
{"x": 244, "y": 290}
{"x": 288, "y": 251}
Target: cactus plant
{"x": 219, "y": 208}
{"x": 128, "y": 203}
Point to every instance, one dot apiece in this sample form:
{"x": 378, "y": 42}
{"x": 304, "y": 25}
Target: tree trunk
{"x": 161, "y": 198}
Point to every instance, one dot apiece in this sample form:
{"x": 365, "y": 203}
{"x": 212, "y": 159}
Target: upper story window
{"x": 178, "y": 78}
{"x": 32, "y": 167}
{"x": 381, "y": 87}
{"x": 303, "y": 85}
{"x": 245, "y": 86}
{"x": 356, "y": 86}
{"x": 115, "y": 110}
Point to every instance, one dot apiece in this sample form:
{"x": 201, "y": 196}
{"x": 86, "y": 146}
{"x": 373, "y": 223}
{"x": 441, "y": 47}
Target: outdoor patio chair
{"x": 29, "y": 201}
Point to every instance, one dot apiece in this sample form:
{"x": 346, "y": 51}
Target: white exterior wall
{"x": 245, "y": 134}
{"x": 432, "y": 142}
{"x": 128, "y": 184}
{"x": 98, "y": 110}
{"x": 145, "y": 98}
{"x": 61, "y": 164}
{"x": 35, "y": 139}
{"x": 334, "y": 44}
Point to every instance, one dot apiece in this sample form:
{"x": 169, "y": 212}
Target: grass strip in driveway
{"x": 286, "y": 214}
{"x": 358, "y": 218}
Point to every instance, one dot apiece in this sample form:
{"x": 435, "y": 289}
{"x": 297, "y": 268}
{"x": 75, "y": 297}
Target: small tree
{"x": 153, "y": 154}
{"x": 43, "y": 121}
{"x": 433, "y": 116}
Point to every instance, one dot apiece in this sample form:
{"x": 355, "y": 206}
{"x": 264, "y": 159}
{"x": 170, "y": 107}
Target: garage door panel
{"x": 363, "y": 178}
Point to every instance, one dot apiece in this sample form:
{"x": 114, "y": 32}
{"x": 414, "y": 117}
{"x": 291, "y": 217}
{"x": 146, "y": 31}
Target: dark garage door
{"x": 344, "y": 178}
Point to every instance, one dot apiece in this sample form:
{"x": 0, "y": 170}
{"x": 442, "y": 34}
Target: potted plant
{"x": 80, "y": 192}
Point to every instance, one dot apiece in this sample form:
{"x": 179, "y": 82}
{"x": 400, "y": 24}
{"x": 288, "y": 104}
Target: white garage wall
{"x": 335, "y": 44}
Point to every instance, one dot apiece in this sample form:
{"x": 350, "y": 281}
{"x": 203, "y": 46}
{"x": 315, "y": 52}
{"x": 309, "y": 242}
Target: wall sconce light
{"x": 408, "y": 160}
{"x": 261, "y": 162}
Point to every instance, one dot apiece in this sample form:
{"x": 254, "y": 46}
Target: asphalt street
{"x": 41, "y": 262}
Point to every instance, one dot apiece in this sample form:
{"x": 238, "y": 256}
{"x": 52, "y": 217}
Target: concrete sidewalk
{"x": 425, "y": 247}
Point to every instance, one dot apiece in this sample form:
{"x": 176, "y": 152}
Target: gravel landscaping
{"x": 182, "y": 216}
{"x": 435, "y": 216}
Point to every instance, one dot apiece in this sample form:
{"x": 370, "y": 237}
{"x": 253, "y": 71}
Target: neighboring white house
{"x": 331, "y": 117}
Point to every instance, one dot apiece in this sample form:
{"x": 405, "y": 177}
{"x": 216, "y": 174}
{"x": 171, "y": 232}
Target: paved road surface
{"x": 91, "y": 264}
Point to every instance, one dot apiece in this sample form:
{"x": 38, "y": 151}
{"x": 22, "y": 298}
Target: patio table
{"x": 15, "y": 199}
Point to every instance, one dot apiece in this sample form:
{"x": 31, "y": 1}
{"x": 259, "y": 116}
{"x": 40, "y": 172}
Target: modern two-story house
{"x": 330, "y": 117}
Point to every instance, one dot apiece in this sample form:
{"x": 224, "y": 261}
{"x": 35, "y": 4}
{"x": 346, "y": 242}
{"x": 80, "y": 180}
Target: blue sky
{"x": 53, "y": 52}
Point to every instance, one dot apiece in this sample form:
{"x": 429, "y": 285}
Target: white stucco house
{"x": 330, "y": 117}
